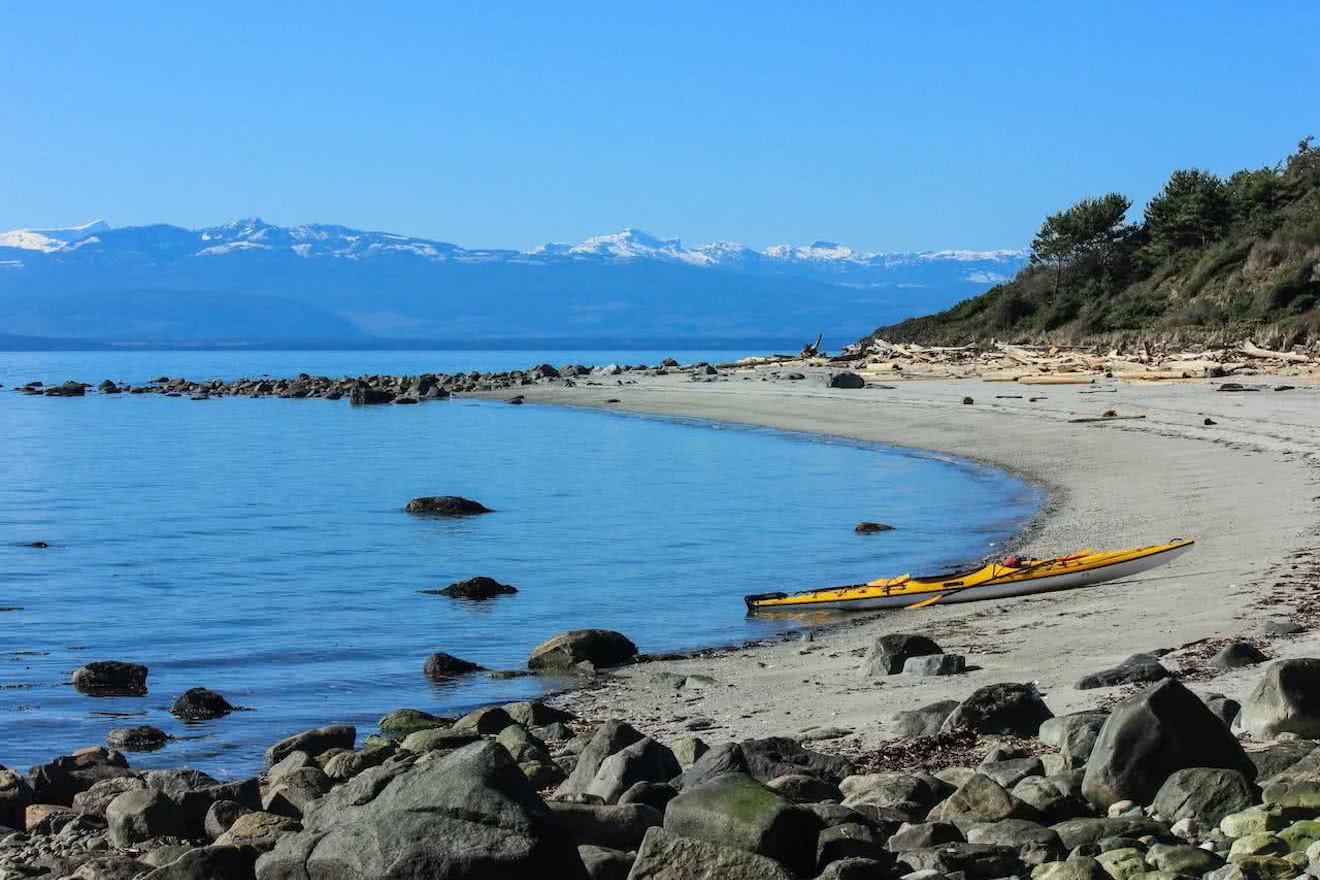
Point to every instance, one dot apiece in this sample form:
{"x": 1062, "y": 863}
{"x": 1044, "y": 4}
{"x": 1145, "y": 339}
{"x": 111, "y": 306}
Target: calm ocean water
{"x": 259, "y": 547}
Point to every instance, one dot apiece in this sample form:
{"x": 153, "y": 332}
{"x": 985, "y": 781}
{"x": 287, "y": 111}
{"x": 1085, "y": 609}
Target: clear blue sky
{"x": 881, "y": 125}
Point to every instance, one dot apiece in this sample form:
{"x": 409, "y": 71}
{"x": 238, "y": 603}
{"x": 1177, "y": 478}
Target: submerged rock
{"x": 111, "y": 678}
{"x": 141, "y": 738}
{"x": 200, "y": 704}
{"x": 442, "y": 665}
{"x": 479, "y": 587}
{"x": 446, "y": 505}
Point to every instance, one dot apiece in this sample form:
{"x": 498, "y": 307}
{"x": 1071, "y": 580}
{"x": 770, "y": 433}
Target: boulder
{"x": 141, "y": 814}
{"x": 1073, "y": 735}
{"x": 610, "y": 737}
{"x": 599, "y": 647}
{"x": 446, "y": 505}
{"x": 667, "y": 856}
{"x": 924, "y": 721}
{"x": 921, "y": 835}
{"x": 139, "y": 738}
{"x": 1206, "y": 794}
{"x": 442, "y": 665}
{"x": 1148, "y": 737}
{"x": 724, "y": 758}
{"x": 259, "y": 830}
{"x": 644, "y": 761}
{"x": 295, "y": 792}
{"x": 1074, "y": 868}
{"x": 471, "y": 814}
{"x": 15, "y": 795}
{"x": 975, "y": 861}
{"x": 850, "y": 840}
{"x": 479, "y": 587}
{"x": 1012, "y": 771}
{"x": 982, "y": 799}
{"x": 433, "y": 739}
{"x": 1034, "y": 843}
{"x": 104, "y": 678}
{"x": 801, "y": 788}
{"x": 904, "y": 790}
{"x": 57, "y": 781}
{"x": 110, "y": 867}
{"x": 652, "y": 794}
{"x": 603, "y": 863}
{"x": 535, "y": 714}
{"x": 365, "y": 395}
{"x": 1287, "y": 700}
{"x": 1052, "y": 804}
{"x": 200, "y": 704}
{"x": 1226, "y": 709}
{"x": 617, "y": 826}
{"x": 1007, "y": 708}
{"x": 687, "y": 749}
{"x": 1235, "y": 655}
{"x": 209, "y": 863}
{"x": 936, "y": 664}
{"x": 177, "y": 782}
{"x": 778, "y": 756}
{"x": 845, "y": 379}
{"x": 736, "y": 810}
{"x": 1084, "y": 831}
{"x": 891, "y": 651}
{"x": 488, "y": 720}
{"x": 402, "y": 722}
{"x": 1181, "y": 860}
{"x": 854, "y": 869}
{"x": 313, "y": 742}
{"x": 221, "y": 816}
{"x": 1137, "y": 669}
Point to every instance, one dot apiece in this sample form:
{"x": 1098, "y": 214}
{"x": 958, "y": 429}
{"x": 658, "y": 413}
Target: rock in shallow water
{"x": 200, "y": 704}
{"x": 479, "y": 587}
{"x": 140, "y": 738}
{"x": 442, "y": 665}
{"x": 599, "y": 647}
{"x": 446, "y": 505}
{"x": 111, "y": 678}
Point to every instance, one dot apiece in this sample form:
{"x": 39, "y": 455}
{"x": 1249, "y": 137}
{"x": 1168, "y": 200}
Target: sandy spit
{"x": 1247, "y": 487}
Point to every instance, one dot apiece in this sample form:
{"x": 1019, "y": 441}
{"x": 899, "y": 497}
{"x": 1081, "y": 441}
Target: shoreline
{"x": 1237, "y": 486}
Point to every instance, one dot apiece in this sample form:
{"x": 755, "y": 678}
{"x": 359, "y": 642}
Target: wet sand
{"x": 1246, "y": 488}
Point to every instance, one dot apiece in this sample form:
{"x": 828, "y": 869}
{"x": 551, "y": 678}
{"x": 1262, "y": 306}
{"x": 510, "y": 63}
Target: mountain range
{"x": 253, "y": 282}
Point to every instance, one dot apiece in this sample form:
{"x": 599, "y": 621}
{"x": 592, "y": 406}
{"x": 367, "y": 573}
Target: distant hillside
{"x": 250, "y": 281}
{"x": 1211, "y": 258}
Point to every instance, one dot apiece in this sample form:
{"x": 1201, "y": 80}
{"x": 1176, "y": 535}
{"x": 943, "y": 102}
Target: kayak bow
{"x": 997, "y": 580}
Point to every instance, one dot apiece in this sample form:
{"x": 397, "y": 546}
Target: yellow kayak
{"x": 1013, "y": 576}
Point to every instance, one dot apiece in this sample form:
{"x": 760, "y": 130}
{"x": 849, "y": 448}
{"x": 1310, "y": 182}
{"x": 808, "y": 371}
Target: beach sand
{"x": 1246, "y": 488}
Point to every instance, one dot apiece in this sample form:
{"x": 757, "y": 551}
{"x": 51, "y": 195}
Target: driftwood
{"x": 1103, "y": 419}
{"x": 1058, "y": 380}
{"x": 1251, "y": 349}
{"x": 812, "y": 349}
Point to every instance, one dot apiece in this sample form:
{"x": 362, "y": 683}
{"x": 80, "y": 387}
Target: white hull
{"x": 1051, "y": 584}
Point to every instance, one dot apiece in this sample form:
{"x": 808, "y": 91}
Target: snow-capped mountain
{"x": 318, "y": 279}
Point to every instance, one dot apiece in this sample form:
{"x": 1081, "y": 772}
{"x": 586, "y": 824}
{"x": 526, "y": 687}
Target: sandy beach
{"x": 1244, "y": 487}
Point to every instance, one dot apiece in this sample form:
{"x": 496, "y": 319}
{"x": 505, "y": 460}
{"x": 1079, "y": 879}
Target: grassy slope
{"x": 1261, "y": 277}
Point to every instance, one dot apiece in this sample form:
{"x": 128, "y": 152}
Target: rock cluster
{"x": 1158, "y": 788}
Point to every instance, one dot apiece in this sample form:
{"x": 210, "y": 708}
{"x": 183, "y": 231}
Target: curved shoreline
{"x": 1242, "y": 486}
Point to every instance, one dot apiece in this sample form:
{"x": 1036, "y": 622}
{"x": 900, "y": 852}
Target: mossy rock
{"x": 1075, "y": 868}
{"x": 1300, "y": 835}
{"x": 1123, "y": 864}
{"x": 1265, "y": 868}
{"x": 402, "y": 722}
{"x": 1257, "y": 845}
{"x": 1259, "y": 819}
{"x": 1184, "y": 861}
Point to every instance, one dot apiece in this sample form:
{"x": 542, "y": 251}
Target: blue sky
{"x": 883, "y": 126}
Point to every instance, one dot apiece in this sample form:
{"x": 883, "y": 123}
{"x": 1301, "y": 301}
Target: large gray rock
{"x": 296, "y": 791}
{"x": 209, "y": 863}
{"x": 1148, "y": 737}
{"x": 313, "y": 742}
{"x": 850, "y": 840}
{"x": 776, "y": 756}
{"x": 1087, "y": 830}
{"x": 200, "y": 704}
{"x": 610, "y": 737}
{"x": 1287, "y": 700}
{"x": 1006, "y": 708}
{"x": 603, "y": 863}
{"x": 845, "y": 380}
{"x": 920, "y": 835}
{"x": 616, "y": 826}
{"x": 220, "y": 817}
{"x": 724, "y": 758}
{"x": 488, "y": 720}
{"x": 141, "y": 814}
{"x": 441, "y": 666}
{"x": 471, "y": 815}
{"x": 644, "y": 761}
{"x": 1235, "y": 655}
{"x": 981, "y": 799}
{"x": 1073, "y": 735}
{"x": 1137, "y": 669}
{"x": 1010, "y": 772}
{"x": 891, "y": 651}
{"x": 975, "y": 861}
{"x": 57, "y": 781}
{"x": 668, "y": 856}
{"x": 94, "y": 800}
{"x": 924, "y": 721}
{"x": 1034, "y": 843}
{"x": 1053, "y": 804}
{"x": 258, "y": 829}
{"x": 736, "y": 810}
{"x": 936, "y": 664}
{"x": 909, "y": 791}
{"x": 1206, "y": 794}
{"x": 599, "y": 647}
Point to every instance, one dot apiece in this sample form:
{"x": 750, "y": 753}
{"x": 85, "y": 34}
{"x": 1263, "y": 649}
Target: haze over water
{"x": 259, "y": 547}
